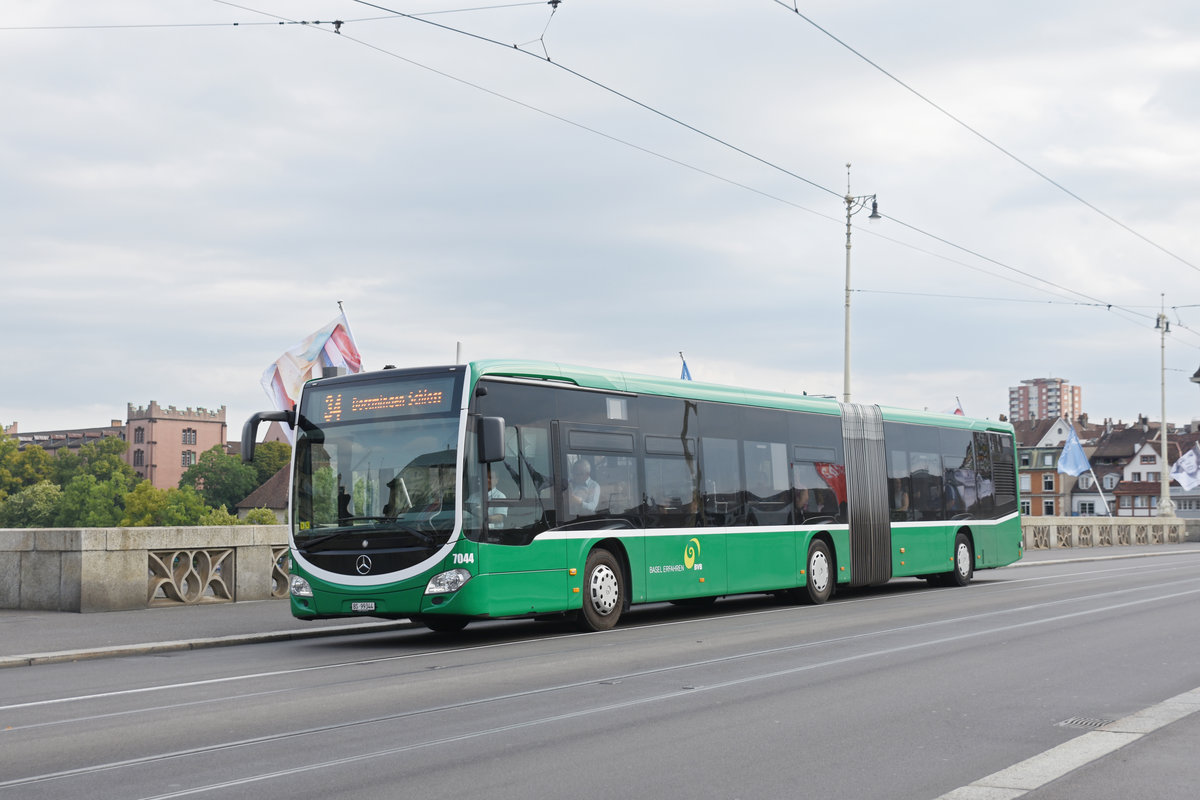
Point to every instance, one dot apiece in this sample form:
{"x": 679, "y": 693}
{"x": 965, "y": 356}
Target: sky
{"x": 189, "y": 188}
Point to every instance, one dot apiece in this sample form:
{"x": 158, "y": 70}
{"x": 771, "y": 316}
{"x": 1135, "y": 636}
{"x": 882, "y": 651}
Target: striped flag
{"x": 331, "y": 346}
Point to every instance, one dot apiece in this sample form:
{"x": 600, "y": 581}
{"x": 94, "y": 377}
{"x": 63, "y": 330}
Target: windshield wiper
{"x": 387, "y": 525}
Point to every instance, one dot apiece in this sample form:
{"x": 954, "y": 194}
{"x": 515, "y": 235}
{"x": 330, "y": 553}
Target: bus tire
{"x": 964, "y": 562}
{"x": 818, "y": 574}
{"x": 603, "y": 592}
{"x": 445, "y": 624}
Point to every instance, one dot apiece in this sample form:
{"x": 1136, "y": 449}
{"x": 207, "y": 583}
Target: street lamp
{"x": 853, "y": 206}
{"x": 1166, "y": 508}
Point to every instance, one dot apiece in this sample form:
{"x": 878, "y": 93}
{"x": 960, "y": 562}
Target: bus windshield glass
{"x": 376, "y": 458}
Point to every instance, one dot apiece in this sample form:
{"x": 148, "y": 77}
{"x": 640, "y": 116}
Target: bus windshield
{"x": 372, "y": 459}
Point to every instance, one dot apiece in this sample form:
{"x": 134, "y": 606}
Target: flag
{"x": 686, "y": 374}
{"x": 958, "y": 407}
{"x": 1072, "y": 461}
{"x": 1186, "y": 471}
{"x": 834, "y": 476}
{"x": 331, "y": 346}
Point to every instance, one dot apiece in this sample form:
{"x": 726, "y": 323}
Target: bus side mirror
{"x": 491, "y": 439}
{"x": 250, "y": 430}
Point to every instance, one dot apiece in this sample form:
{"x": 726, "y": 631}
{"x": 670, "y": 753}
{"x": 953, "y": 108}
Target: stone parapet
{"x": 118, "y": 569}
{"x": 1048, "y": 533}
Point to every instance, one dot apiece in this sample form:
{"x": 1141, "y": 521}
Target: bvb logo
{"x": 691, "y": 552}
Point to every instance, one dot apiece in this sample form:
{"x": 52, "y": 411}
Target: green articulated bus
{"x": 502, "y": 489}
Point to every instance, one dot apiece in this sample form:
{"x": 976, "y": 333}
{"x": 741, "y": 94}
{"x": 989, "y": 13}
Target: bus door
{"x": 524, "y": 555}
{"x": 599, "y": 492}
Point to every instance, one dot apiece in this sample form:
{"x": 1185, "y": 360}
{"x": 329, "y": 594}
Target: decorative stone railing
{"x": 1047, "y": 533}
{"x": 116, "y": 569}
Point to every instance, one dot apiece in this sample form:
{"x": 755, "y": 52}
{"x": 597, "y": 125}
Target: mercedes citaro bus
{"x": 501, "y": 489}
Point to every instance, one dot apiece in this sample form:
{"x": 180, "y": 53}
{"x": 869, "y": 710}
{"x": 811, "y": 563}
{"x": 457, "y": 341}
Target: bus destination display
{"x": 389, "y": 400}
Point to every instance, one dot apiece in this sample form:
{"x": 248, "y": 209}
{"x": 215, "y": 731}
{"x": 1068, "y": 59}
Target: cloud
{"x": 183, "y": 204}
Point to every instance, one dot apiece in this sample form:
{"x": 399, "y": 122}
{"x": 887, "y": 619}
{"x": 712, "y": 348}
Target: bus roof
{"x": 609, "y": 380}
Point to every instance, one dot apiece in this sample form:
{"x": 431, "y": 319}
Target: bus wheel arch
{"x": 605, "y": 587}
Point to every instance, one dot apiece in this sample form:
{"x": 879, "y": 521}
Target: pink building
{"x": 164, "y": 442}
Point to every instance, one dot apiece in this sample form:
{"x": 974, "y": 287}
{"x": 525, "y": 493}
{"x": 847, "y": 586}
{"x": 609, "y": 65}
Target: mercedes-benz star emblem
{"x": 363, "y": 565}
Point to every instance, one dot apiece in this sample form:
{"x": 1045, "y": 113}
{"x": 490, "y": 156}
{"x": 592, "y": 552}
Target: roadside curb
{"x": 61, "y": 656}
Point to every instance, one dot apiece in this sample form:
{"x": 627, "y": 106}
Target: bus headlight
{"x": 300, "y": 587}
{"x": 446, "y": 582}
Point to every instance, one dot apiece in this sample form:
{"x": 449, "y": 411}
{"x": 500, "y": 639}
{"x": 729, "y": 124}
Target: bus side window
{"x": 768, "y": 489}
{"x": 985, "y": 504}
{"x": 899, "y": 486}
{"x": 722, "y": 497}
{"x": 671, "y": 493}
{"x": 926, "y": 476}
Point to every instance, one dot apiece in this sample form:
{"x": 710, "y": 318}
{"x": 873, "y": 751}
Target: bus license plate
{"x": 370, "y": 606}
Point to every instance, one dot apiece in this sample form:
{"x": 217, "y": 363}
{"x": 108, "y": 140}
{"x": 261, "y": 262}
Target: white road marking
{"x": 1039, "y": 770}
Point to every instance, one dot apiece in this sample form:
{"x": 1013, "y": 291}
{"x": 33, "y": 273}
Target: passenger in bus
{"x": 799, "y": 503}
{"x": 584, "y": 492}
{"x": 899, "y": 492}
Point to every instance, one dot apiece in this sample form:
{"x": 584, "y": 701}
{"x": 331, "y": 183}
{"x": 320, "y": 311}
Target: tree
{"x": 269, "y": 458}
{"x": 102, "y": 459}
{"x": 222, "y": 480}
{"x": 9, "y": 453}
{"x": 34, "y": 465}
{"x": 32, "y": 507}
{"x": 91, "y": 503}
{"x": 261, "y": 516}
{"x": 219, "y": 516}
{"x": 20, "y": 469}
{"x": 146, "y": 505}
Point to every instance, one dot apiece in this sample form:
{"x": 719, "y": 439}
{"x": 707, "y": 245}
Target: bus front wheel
{"x": 603, "y": 592}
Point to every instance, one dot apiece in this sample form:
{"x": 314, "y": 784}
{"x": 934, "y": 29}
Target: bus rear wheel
{"x": 603, "y": 592}
{"x": 818, "y": 574}
{"x": 964, "y": 562}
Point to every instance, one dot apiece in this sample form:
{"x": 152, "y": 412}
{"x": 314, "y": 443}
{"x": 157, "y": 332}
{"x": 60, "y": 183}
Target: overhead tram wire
{"x": 1106, "y": 306}
{"x": 677, "y": 121}
{"x": 796, "y": 10}
{"x": 279, "y": 20}
{"x": 610, "y": 90}
{"x": 711, "y": 137}
{"x": 1007, "y": 266}
{"x": 440, "y": 73}
{"x": 980, "y": 297}
{"x": 417, "y": 17}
